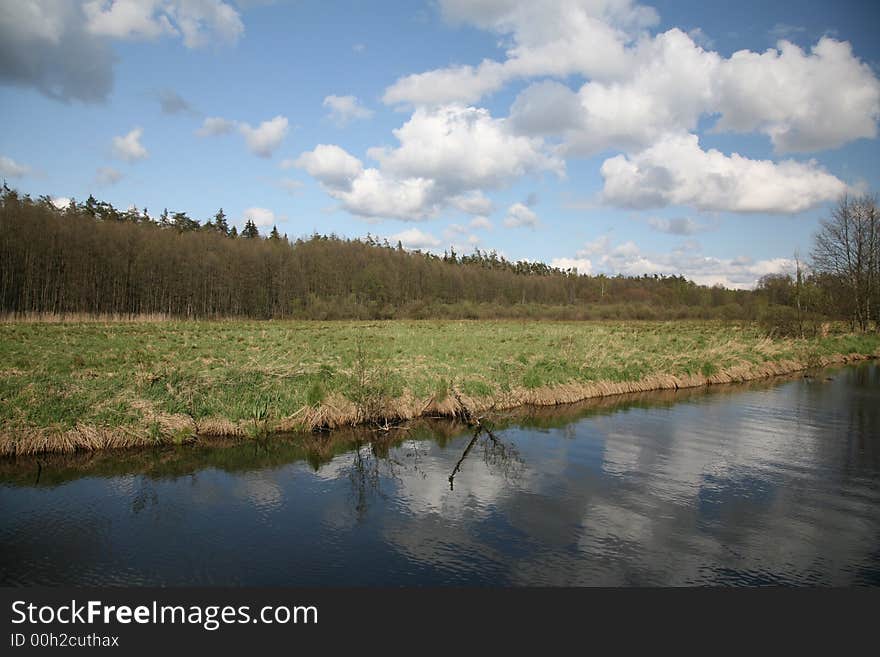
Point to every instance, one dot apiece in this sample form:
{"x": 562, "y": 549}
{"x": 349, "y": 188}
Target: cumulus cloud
{"x": 331, "y": 165}
{"x": 463, "y": 148}
{"x": 345, "y": 109}
{"x": 198, "y": 22}
{"x": 803, "y": 101}
{"x": 261, "y": 217}
{"x": 60, "y": 202}
{"x": 413, "y": 238}
{"x": 44, "y": 45}
{"x": 213, "y": 126}
{"x": 128, "y": 147}
{"x": 12, "y": 169}
{"x": 586, "y": 37}
{"x": 460, "y": 84}
{"x": 641, "y": 87}
{"x": 106, "y": 176}
{"x": 266, "y": 137}
{"x": 519, "y": 215}
{"x": 676, "y": 171}
{"x": 667, "y": 89}
{"x": 445, "y": 157}
{"x": 63, "y": 49}
{"x": 374, "y": 195}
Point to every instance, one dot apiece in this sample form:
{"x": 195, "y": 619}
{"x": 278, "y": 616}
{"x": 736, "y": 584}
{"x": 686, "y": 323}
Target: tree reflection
{"x": 499, "y": 456}
{"x": 374, "y": 461}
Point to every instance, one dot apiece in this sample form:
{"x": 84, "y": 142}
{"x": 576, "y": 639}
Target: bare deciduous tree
{"x": 846, "y": 249}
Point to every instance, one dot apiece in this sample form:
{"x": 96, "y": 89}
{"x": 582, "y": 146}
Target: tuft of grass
{"x": 315, "y": 394}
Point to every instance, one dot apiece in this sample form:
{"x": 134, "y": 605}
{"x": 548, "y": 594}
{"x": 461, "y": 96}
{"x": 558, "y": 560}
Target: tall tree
{"x": 250, "y": 230}
{"x": 220, "y": 223}
{"x": 846, "y": 248}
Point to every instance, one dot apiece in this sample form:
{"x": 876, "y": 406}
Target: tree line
{"x": 95, "y": 259}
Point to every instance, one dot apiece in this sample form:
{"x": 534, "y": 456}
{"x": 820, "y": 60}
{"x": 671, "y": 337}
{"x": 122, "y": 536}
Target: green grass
{"x": 59, "y": 375}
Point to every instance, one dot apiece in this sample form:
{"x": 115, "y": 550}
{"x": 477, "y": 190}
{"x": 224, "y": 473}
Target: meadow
{"x": 66, "y": 386}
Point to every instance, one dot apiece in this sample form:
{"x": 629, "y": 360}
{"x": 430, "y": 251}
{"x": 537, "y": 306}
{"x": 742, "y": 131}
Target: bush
{"x": 787, "y": 322}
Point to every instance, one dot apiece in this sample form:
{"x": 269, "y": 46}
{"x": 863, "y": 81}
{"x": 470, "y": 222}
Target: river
{"x": 775, "y": 483}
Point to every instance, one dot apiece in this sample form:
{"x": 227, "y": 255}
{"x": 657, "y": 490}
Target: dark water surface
{"x": 774, "y": 483}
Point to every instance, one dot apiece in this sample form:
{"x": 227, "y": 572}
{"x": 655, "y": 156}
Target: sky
{"x": 700, "y": 138}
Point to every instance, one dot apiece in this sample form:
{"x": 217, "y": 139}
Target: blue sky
{"x": 673, "y": 137}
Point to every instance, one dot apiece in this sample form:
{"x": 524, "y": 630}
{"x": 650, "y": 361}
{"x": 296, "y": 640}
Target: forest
{"x": 91, "y": 258}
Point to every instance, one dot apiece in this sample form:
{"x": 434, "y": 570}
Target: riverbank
{"x": 97, "y": 385}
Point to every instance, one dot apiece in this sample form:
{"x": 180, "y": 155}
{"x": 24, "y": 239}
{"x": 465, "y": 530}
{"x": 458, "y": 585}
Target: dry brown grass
{"x": 339, "y": 412}
{"x": 71, "y": 387}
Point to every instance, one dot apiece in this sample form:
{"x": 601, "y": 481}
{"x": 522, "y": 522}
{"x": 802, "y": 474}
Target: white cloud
{"x": 198, "y": 22}
{"x": 585, "y": 37}
{"x": 261, "y": 217}
{"x": 582, "y": 265}
{"x": 446, "y": 156}
{"x": 60, "y": 202}
{"x": 127, "y": 19}
{"x": 481, "y": 223}
{"x": 63, "y": 48}
{"x": 128, "y": 147}
{"x": 11, "y": 168}
{"x": 676, "y": 171}
{"x": 366, "y": 192}
{"x": 265, "y": 138}
{"x": 44, "y": 45}
{"x": 627, "y": 258}
{"x": 374, "y": 195}
{"x": 643, "y": 94}
{"x": 213, "y": 126}
{"x": 345, "y": 109}
{"x": 463, "y": 149}
{"x": 668, "y": 87}
{"x": 459, "y": 84}
{"x": 413, "y": 238}
{"x": 472, "y": 203}
{"x": 262, "y": 141}
{"x": 108, "y": 176}
{"x": 641, "y": 87}
{"x": 519, "y": 215}
{"x": 331, "y": 165}
{"x": 804, "y": 102}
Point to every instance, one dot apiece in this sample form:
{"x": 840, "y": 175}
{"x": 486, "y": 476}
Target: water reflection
{"x": 763, "y": 484}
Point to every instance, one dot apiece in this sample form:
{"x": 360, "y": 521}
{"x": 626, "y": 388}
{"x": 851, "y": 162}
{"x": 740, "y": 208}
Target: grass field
{"x": 67, "y": 386}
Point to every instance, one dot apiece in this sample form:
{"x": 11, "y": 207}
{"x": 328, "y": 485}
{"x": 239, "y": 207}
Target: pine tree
{"x": 250, "y": 230}
{"x": 274, "y": 234}
{"x": 183, "y": 223}
{"x": 220, "y": 223}
{"x": 233, "y": 232}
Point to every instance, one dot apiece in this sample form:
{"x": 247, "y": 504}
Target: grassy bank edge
{"x": 381, "y": 414}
